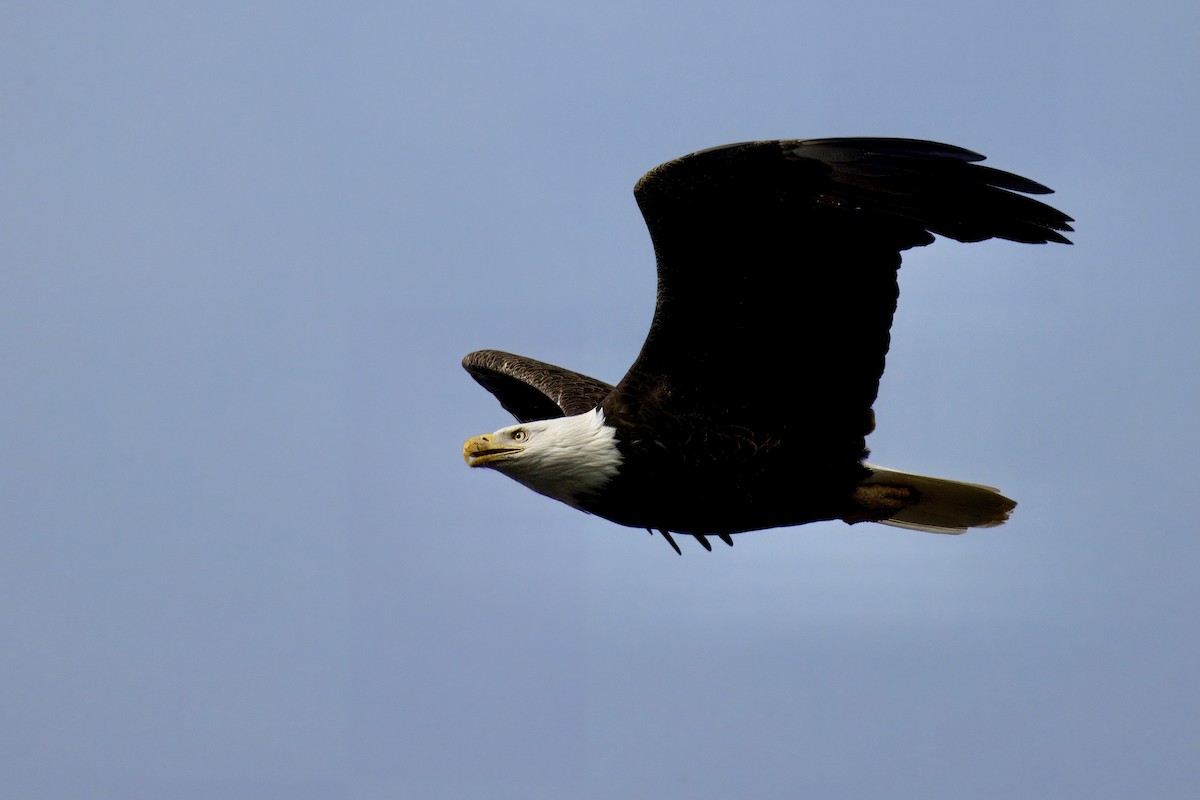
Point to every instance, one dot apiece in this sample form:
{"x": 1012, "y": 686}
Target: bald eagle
{"x": 749, "y": 404}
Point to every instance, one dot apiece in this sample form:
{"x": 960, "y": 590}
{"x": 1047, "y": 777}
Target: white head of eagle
{"x": 567, "y": 458}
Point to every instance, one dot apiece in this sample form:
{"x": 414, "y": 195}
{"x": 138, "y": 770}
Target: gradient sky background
{"x": 244, "y": 246}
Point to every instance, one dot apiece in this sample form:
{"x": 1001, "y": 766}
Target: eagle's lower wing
{"x": 777, "y": 276}
{"x": 532, "y": 390}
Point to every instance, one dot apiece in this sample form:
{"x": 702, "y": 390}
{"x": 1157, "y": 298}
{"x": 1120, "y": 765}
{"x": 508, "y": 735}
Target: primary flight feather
{"x": 750, "y": 402}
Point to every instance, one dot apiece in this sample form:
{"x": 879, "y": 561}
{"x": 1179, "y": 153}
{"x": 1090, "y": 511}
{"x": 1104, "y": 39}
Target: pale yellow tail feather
{"x": 942, "y": 505}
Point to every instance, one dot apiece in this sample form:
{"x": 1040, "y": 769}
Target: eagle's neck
{"x": 570, "y": 459}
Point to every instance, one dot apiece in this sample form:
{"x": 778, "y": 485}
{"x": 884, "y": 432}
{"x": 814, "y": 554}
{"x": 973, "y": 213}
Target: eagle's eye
{"x": 519, "y": 436}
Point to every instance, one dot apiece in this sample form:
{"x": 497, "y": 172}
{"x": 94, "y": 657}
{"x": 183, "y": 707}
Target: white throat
{"x": 567, "y": 458}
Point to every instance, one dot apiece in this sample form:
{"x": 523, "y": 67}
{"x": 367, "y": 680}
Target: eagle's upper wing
{"x": 531, "y": 390}
{"x": 777, "y": 276}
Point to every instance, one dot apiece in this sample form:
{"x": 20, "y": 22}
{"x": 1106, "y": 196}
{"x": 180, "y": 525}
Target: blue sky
{"x": 244, "y": 248}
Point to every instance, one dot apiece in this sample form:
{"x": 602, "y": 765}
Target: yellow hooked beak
{"x": 480, "y": 452}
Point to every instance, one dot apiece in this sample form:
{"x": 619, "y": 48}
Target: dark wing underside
{"x": 777, "y": 280}
{"x": 532, "y": 390}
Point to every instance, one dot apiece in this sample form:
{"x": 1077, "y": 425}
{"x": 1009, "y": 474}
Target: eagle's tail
{"x": 939, "y": 505}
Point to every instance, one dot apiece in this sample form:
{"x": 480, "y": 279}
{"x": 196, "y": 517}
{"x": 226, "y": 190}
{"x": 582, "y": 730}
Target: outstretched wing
{"x": 777, "y": 278}
{"x": 531, "y": 390}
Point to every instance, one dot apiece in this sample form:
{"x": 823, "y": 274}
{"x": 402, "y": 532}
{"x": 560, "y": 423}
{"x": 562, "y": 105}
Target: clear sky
{"x": 243, "y": 247}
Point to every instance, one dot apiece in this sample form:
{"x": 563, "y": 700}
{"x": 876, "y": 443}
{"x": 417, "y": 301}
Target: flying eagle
{"x": 749, "y": 404}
